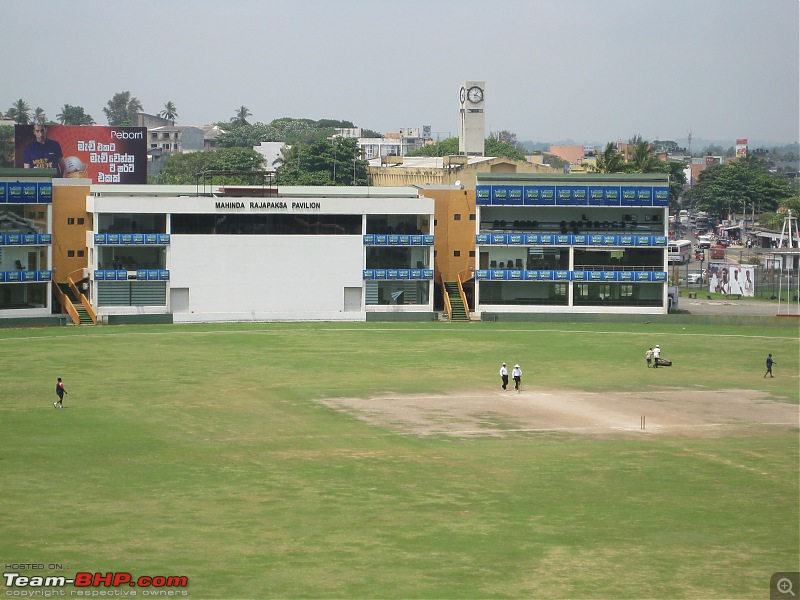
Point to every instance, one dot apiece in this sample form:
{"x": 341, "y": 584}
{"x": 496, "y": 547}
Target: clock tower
{"x": 473, "y": 123}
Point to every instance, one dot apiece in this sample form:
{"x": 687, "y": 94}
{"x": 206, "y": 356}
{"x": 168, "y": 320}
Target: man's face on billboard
{"x": 40, "y": 132}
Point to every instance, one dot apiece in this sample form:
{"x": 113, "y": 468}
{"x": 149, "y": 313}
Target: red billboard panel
{"x": 102, "y": 154}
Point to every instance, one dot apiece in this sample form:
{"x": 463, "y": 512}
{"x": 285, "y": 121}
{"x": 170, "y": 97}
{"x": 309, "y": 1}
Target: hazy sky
{"x": 587, "y": 70}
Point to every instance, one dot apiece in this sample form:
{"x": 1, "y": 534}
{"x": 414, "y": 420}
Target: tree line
{"x": 312, "y": 155}
{"x": 121, "y": 110}
{"x": 746, "y": 186}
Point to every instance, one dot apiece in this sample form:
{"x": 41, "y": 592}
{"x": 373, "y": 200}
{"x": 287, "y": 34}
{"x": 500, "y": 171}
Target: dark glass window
{"x": 250, "y": 224}
{"x": 397, "y": 224}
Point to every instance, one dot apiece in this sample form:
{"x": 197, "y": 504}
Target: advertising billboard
{"x": 741, "y": 148}
{"x": 729, "y": 278}
{"x": 102, "y": 154}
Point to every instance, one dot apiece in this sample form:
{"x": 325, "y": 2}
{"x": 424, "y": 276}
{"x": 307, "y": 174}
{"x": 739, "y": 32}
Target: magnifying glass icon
{"x": 784, "y": 586}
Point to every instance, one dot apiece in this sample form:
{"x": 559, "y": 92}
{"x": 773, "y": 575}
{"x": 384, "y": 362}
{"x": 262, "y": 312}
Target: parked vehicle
{"x": 679, "y": 251}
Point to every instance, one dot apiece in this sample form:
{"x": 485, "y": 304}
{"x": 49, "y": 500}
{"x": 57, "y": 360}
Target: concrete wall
{"x": 266, "y": 277}
{"x": 467, "y": 175}
{"x": 671, "y": 319}
{"x": 69, "y": 202}
{"x": 453, "y": 235}
{"x": 192, "y": 138}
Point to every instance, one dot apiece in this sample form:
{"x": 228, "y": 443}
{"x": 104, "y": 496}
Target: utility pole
{"x": 334, "y": 161}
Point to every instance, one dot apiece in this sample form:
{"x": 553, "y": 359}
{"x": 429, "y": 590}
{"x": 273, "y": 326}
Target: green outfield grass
{"x": 203, "y": 451}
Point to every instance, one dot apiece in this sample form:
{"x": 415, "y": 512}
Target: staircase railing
{"x": 463, "y": 277}
{"x": 84, "y": 301}
{"x": 78, "y": 274}
{"x": 66, "y": 304}
{"x": 447, "y": 306}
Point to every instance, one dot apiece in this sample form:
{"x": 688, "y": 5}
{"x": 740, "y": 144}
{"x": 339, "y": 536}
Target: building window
{"x": 70, "y": 221}
{"x": 456, "y": 252}
{"x": 396, "y": 292}
{"x": 397, "y": 257}
{"x": 456, "y": 217}
{"x": 80, "y": 220}
{"x": 472, "y": 253}
{"x": 40, "y": 215}
{"x": 472, "y": 217}
{"x": 80, "y": 253}
{"x": 267, "y": 224}
{"x": 71, "y": 253}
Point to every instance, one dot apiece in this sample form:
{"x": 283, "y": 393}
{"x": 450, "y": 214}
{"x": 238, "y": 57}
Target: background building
{"x": 164, "y": 139}
{"x": 571, "y": 244}
{"x": 26, "y": 243}
{"x": 392, "y": 144}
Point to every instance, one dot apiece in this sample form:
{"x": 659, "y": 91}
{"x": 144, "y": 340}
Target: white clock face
{"x": 463, "y": 94}
{"x": 475, "y": 94}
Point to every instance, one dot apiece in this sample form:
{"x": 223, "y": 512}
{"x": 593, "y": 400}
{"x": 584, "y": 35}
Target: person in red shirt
{"x": 60, "y": 391}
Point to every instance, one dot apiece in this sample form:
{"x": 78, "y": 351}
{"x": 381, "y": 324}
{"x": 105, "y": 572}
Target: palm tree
{"x": 170, "y": 112}
{"x": 610, "y": 160}
{"x": 241, "y": 116}
{"x": 63, "y": 116}
{"x": 20, "y": 112}
{"x": 39, "y": 116}
{"x": 642, "y": 161}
